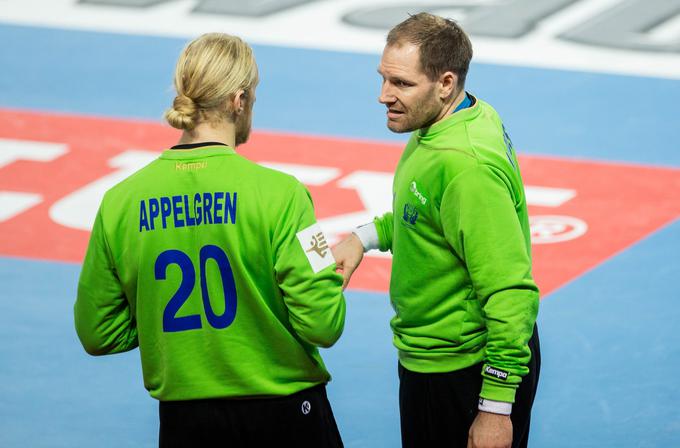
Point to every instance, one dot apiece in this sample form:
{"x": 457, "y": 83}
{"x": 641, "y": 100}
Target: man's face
{"x": 411, "y": 98}
{"x": 244, "y": 121}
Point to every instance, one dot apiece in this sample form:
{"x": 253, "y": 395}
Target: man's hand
{"x": 490, "y": 431}
{"x": 348, "y": 254}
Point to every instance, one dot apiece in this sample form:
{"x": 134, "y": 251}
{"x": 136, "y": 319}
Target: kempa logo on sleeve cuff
{"x": 315, "y": 247}
{"x": 498, "y": 373}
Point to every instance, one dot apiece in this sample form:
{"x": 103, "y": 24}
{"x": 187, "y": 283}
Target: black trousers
{"x": 303, "y": 419}
{"x": 437, "y": 409}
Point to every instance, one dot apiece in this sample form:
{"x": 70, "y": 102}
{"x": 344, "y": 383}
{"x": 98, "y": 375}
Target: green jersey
{"x": 461, "y": 280}
{"x": 215, "y": 267}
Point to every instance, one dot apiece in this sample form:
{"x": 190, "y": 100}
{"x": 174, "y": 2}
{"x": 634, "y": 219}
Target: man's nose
{"x": 386, "y": 94}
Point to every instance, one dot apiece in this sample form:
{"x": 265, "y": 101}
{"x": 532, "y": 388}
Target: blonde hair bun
{"x": 183, "y": 113}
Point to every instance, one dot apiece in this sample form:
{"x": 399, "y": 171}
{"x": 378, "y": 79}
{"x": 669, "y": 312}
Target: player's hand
{"x": 348, "y": 254}
{"x": 490, "y": 431}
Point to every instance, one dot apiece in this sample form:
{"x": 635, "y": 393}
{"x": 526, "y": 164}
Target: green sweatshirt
{"x": 461, "y": 281}
{"x": 216, "y": 268}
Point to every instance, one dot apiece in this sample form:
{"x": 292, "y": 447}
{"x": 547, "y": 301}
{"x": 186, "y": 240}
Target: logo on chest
{"x": 410, "y": 214}
{"x": 414, "y": 189}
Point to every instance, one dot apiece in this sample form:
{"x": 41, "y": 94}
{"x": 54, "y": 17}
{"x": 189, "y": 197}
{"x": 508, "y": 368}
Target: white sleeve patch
{"x": 315, "y": 247}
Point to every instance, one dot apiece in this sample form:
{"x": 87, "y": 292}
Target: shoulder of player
{"x": 119, "y": 193}
{"x": 486, "y": 139}
{"x": 454, "y": 139}
{"x": 275, "y": 175}
{"x": 485, "y": 107}
{"x": 272, "y": 179}
{"x": 278, "y": 187}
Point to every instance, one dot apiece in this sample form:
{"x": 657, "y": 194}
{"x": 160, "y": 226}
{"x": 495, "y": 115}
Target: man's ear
{"x": 238, "y": 104}
{"x": 448, "y": 82}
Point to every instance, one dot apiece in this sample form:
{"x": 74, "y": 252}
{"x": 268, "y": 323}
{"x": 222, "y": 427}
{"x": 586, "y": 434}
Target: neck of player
{"x": 448, "y": 109}
{"x": 223, "y": 132}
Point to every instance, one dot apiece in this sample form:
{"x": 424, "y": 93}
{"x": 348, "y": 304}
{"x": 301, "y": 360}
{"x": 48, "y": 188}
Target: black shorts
{"x": 303, "y": 419}
{"x": 437, "y": 409}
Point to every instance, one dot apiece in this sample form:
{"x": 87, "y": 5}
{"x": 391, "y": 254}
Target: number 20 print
{"x": 172, "y": 323}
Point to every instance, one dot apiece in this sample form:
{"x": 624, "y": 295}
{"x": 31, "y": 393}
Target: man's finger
{"x": 347, "y": 275}
{"x": 345, "y": 280}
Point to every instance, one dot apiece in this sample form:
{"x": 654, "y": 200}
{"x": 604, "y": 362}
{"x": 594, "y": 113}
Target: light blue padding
{"x": 611, "y": 353}
{"x": 53, "y": 393}
{"x": 364, "y": 392}
{"x": 557, "y": 112}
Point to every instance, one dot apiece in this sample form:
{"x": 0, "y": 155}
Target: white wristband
{"x": 368, "y": 234}
{"x": 495, "y": 407}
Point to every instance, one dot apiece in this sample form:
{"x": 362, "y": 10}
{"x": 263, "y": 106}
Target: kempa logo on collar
{"x": 500, "y": 374}
{"x": 190, "y": 166}
{"x": 315, "y": 247}
{"x": 414, "y": 190}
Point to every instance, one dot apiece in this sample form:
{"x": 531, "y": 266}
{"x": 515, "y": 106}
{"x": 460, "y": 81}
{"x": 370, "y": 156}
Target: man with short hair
{"x": 461, "y": 283}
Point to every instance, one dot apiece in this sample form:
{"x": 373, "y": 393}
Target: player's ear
{"x": 447, "y": 84}
{"x": 238, "y": 104}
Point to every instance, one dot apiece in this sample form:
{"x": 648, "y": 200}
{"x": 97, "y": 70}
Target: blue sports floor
{"x": 610, "y": 342}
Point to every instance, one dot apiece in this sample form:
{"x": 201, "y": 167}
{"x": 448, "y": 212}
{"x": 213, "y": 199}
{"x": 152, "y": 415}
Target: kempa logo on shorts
{"x": 315, "y": 247}
{"x": 306, "y": 407}
{"x": 500, "y": 374}
{"x": 414, "y": 190}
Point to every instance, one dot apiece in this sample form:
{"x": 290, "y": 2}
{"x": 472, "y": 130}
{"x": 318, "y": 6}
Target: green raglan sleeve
{"x": 103, "y": 319}
{"x": 384, "y": 225}
{"x": 481, "y": 224}
{"x": 312, "y": 290}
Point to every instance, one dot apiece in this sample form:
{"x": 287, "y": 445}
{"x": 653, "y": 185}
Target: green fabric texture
{"x": 157, "y": 279}
{"x": 461, "y": 280}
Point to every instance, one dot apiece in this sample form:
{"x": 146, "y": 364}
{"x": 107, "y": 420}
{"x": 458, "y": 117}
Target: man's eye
{"x": 401, "y": 83}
